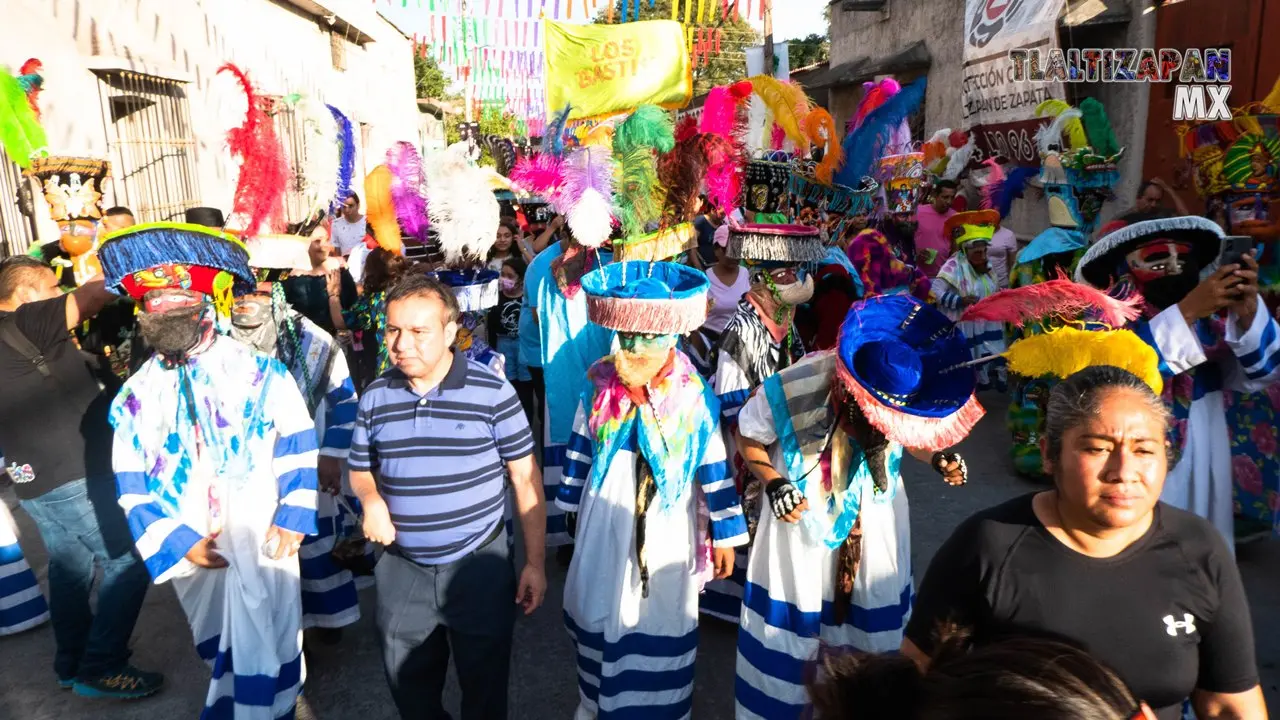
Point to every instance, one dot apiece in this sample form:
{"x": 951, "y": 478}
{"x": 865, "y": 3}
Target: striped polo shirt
{"x": 439, "y": 457}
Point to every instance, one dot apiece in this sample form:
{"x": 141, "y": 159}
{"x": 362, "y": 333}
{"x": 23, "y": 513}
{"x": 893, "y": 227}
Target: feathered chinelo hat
{"x": 971, "y": 226}
{"x": 784, "y": 244}
{"x": 649, "y": 298}
{"x": 158, "y": 256}
{"x": 1103, "y": 259}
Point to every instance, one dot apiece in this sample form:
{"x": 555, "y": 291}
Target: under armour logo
{"x": 1188, "y": 624}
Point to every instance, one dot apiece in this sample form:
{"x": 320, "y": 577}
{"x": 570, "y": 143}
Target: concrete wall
{"x": 940, "y": 24}
{"x": 283, "y": 49}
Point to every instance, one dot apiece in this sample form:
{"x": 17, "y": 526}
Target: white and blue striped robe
{"x": 258, "y": 455}
{"x": 1202, "y": 481}
{"x": 985, "y": 338}
{"x": 22, "y": 606}
{"x": 788, "y": 608}
{"x": 749, "y": 341}
{"x": 329, "y": 598}
{"x": 636, "y": 655}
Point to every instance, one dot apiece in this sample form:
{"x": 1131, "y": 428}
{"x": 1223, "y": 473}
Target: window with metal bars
{"x": 16, "y": 229}
{"x": 289, "y": 129}
{"x": 148, "y": 121}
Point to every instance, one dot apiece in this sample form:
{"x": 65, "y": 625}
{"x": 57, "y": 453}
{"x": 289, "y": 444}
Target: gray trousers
{"x": 426, "y": 611}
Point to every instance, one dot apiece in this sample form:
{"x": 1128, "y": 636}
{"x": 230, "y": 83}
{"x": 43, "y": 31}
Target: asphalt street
{"x": 345, "y": 681}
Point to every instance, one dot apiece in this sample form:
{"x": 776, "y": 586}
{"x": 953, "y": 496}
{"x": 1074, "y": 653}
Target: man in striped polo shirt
{"x": 431, "y": 443}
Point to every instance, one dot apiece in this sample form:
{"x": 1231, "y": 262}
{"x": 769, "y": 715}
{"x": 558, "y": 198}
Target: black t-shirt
{"x": 308, "y": 295}
{"x": 58, "y": 424}
{"x": 1168, "y": 614}
{"x": 706, "y": 239}
{"x": 504, "y": 318}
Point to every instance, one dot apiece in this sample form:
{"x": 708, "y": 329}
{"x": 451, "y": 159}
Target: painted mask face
{"x": 251, "y": 311}
{"x": 641, "y": 357}
{"x": 1157, "y": 259}
{"x": 1251, "y": 215}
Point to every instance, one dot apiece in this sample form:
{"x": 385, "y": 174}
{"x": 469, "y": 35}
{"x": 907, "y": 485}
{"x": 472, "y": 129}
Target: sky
{"x": 798, "y": 19}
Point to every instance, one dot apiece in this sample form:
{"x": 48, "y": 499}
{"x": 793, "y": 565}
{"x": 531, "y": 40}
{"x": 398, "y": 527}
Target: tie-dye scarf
{"x": 675, "y": 423}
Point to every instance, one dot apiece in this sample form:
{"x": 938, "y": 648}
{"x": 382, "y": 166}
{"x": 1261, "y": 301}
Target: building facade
{"x": 136, "y": 82}
{"x": 911, "y": 38}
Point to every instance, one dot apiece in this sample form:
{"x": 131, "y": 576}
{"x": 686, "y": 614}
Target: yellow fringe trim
{"x": 1068, "y": 350}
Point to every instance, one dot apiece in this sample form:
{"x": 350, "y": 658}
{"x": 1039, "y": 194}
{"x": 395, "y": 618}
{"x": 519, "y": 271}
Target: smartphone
{"x": 1233, "y": 249}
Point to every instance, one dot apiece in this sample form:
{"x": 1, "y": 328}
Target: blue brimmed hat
{"x": 145, "y": 247}
{"x": 652, "y": 298}
{"x": 904, "y": 363}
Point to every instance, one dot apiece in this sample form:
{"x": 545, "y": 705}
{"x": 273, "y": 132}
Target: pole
{"x": 768, "y": 38}
{"x": 468, "y": 93}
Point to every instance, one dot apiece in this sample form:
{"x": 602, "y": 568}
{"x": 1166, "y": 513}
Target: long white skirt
{"x": 788, "y": 607}
{"x": 635, "y": 654}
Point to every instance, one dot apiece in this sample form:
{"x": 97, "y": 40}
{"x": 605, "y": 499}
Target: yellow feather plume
{"x": 788, "y": 105}
{"x": 601, "y": 136}
{"x": 378, "y": 209}
{"x": 1272, "y": 100}
{"x": 820, "y": 127}
{"x": 1068, "y": 350}
{"x": 1073, "y": 129}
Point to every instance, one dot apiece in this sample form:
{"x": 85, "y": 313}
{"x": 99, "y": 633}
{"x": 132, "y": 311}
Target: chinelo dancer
{"x": 759, "y": 341}
{"x": 263, "y": 320}
{"x": 215, "y": 461}
{"x": 830, "y": 562}
{"x": 646, "y": 452}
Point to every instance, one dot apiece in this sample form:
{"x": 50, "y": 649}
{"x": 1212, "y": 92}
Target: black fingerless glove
{"x": 784, "y": 497}
{"x": 571, "y": 524}
{"x": 941, "y": 459}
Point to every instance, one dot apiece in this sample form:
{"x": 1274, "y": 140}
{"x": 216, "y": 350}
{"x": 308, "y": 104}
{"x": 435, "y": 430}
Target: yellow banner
{"x": 602, "y": 70}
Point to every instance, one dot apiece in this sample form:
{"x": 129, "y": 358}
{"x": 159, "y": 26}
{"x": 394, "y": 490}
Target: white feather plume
{"x": 462, "y": 207}
{"x": 1049, "y": 135}
{"x": 757, "y": 119}
{"x": 320, "y": 174}
{"x": 960, "y": 159}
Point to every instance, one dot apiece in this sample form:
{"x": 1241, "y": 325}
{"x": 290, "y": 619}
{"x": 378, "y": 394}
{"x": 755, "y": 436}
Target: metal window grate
{"x": 289, "y": 129}
{"x": 148, "y": 121}
{"x": 16, "y": 228}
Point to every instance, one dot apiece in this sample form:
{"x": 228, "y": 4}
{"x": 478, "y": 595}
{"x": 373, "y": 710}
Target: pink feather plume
{"x": 540, "y": 174}
{"x": 724, "y": 115}
{"x": 264, "y": 170}
{"x": 992, "y": 185}
{"x": 1060, "y": 297}
{"x": 777, "y": 137}
{"x": 407, "y": 182}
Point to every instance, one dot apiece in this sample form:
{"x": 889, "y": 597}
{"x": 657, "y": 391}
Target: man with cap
{"x": 1201, "y": 354}
{"x": 264, "y": 321}
{"x": 967, "y": 277}
{"x": 759, "y": 341}
{"x": 826, "y": 437}
{"x": 645, "y": 456}
{"x": 215, "y": 461}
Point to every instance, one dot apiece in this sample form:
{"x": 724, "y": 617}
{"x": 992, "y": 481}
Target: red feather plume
{"x": 686, "y": 128}
{"x": 264, "y": 170}
{"x": 1060, "y": 297}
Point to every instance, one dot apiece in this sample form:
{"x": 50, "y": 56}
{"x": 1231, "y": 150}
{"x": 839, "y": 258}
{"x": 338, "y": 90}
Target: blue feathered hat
{"x": 475, "y": 290}
{"x": 661, "y": 298}
{"x": 905, "y": 364}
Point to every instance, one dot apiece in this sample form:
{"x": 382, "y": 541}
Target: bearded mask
{"x": 1165, "y": 271}
{"x": 641, "y": 357}
{"x": 796, "y": 292}
{"x": 176, "y": 331}
{"x": 252, "y": 324}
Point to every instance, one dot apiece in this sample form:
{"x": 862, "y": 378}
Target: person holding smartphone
{"x": 1203, "y": 353}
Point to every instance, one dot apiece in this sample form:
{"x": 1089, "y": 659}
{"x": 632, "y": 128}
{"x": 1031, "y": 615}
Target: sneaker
{"x": 128, "y": 684}
{"x": 66, "y": 683}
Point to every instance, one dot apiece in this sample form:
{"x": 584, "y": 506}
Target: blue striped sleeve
{"x": 340, "y": 409}
{"x": 715, "y": 476}
{"x": 1257, "y": 348}
{"x": 295, "y": 457}
{"x": 579, "y": 454}
{"x": 162, "y": 541}
{"x": 732, "y": 388}
{"x": 363, "y": 456}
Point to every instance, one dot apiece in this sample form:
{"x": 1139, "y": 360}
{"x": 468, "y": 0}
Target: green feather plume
{"x": 1098, "y": 128}
{"x": 649, "y": 127}
{"x": 639, "y": 197}
{"x": 20, "y": 131}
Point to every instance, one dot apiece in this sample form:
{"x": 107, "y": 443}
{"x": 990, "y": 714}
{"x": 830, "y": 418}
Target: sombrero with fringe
{"x": 656, "y": 246}
{"x": 1099, "y": 265}
{"x": 273, "y": 257}
{"x": 475, "y": 290}
{"x": 652, "y": 298}
{"x": 971, "y": 226}
{"x": 789, "y": 244}
{"x": 905, "y": 364}
{"x": 135, "y": 250}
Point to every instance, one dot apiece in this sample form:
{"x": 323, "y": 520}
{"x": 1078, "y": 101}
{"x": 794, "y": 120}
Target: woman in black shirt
{"x": 323, "y": 293}
{"x": 1148, "y": 589}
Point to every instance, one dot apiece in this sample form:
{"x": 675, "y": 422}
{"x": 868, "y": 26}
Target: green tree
{"x": 729, "y": 65}
{"x": 493, "y": 121}
{"x": 808, "y": 50}
{"x": 430, "y": 79}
